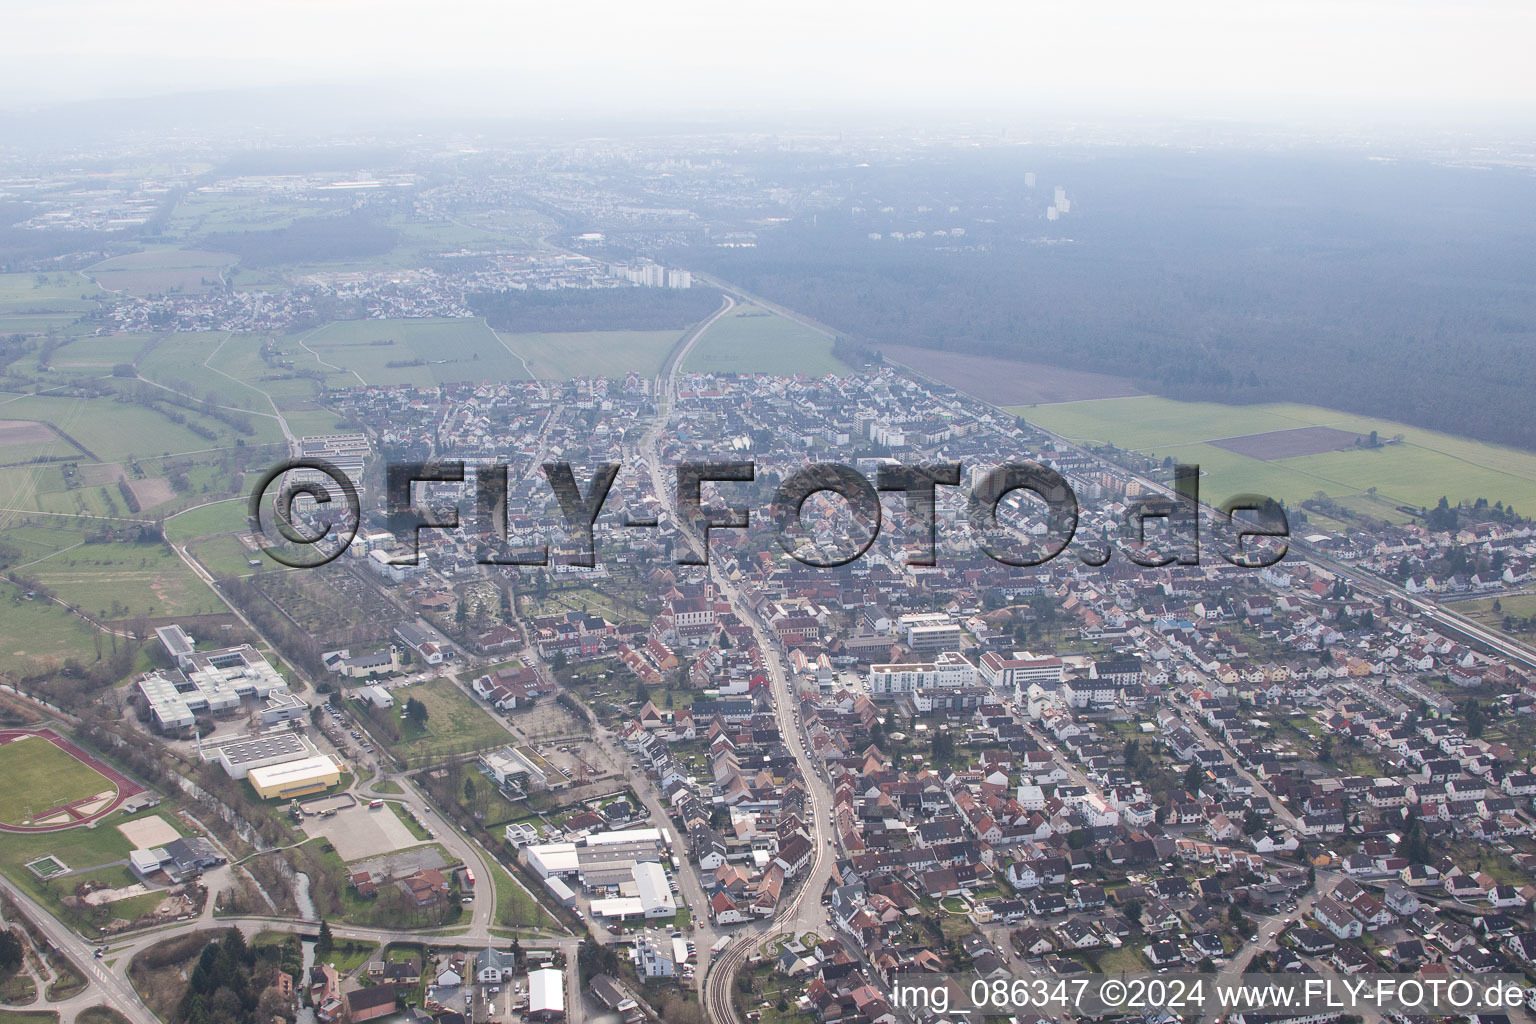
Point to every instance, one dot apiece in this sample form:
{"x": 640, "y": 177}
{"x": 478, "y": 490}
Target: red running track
{"x": 126, "y": 788}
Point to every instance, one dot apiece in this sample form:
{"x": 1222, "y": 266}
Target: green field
{"x": 57, "y": 292}
{"x": 592, "y": 353}
{"x": 455, "y": 723}
{"x": 29, "y": 1017}
{"x": 456, "y": 349}
{"x": 121, "y": 580}
{"x": 96, "y": 356}
{"x": 1514, "y": 607}
{"x": 175, "y": 270}
{"x": 206, "y": 212}
{"x": 514, "y": 907}
{"x": 113, "y": 430}
{"x": 40, "y": 777}
{"x": 208, "y": 520}
{"x": 97, "y": 853}
{"x": 39, "y": 633}
{"x": 1417, "y": 472}
{"x": 750, "y": 339}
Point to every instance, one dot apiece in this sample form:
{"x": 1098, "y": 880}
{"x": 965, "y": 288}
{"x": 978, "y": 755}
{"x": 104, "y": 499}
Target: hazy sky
{"x": 683, "y": 55}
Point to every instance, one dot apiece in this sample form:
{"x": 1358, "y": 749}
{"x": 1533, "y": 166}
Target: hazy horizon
{"x": 1302, "y": 62}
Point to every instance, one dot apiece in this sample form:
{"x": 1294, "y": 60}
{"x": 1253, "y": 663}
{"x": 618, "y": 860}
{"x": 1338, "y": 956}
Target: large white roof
{"x": 546, "y": 991}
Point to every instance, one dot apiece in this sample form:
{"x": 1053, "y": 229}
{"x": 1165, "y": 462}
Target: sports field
{"x": 592, "y": 353}
{"x": 1416, "y": 471}
{"x": 751, "y": 339}
{"x": 41, "y": 778}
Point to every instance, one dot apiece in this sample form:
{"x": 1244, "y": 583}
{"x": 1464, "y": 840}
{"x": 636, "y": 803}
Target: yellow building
{"x": 295, "y": 778}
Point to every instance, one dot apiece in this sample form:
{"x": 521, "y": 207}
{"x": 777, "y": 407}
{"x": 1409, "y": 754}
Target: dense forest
{"x": 354, "y": 235}
{"x": 1399, "y": 290}
{"x": 599, "y": 309}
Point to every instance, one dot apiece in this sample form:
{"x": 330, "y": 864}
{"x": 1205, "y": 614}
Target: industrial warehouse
{"x": 624, "y": 867}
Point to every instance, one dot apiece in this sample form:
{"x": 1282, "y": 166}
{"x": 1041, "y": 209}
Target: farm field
{"x": 1006, "y": 382}
{"x": 92, "y": 356}
{"x": 751, "y": 339}
{"x": 41, "y": 777}
{"x": 453, "y": 349}
{"x": 110, "y": 429}
{"x": 207, "y": 212}
{"x": 58, "y": 292}
{"x": 1416, "y": 472}
{"x": 592, "y": 353}
{"x": 147, "y": 273}
{"x": 178, "y": 360}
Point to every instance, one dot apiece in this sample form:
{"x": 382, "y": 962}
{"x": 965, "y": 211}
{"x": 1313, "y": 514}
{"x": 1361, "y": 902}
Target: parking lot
{"x": 358, "y": 832}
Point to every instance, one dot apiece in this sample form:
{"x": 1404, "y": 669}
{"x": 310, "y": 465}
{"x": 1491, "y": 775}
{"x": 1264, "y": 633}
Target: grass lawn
{"x": 952, "y": 927}
{"x": 100, "y": 1015}
{"x": 80, "y": 849}
{"x": 455, "y": 723}
{"x": 227, "y": 556}
{"x": 121, "y": 580}
{"x": 28, "y": 1017}
{"x": 113, "y": 430}
{"x": 751, "y": 339}
{"x": 96, "y": 355}
{"x": 416, "y": 828}
{"x": 570, "y": 354}
{"x": 514, "y": 907}
{"x": 207, "y": 521}
{"x": 350, "y": 954}
{"x": 38, "y": 632}
{"x": 1519, "y": 606}
{"x": 1417, "y": 472}
{"x": 39, "y": 777}
{"x": 1126, "y": 958}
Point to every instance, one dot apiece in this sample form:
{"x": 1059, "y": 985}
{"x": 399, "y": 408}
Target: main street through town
{"x": 802, "y": 911}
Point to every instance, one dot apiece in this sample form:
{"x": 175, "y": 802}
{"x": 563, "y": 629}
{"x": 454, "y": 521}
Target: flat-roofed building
{"x": 601, "y": 860}
{"x": 945, "y": 637}
{"x": 240, "y": 756}
{"x": 347, "y": 452}
{"x": 509, "y": 763}
{"x": 214, "y": 681}
{"x": 295, "y": 778}
{"x": 1017, "y": 673}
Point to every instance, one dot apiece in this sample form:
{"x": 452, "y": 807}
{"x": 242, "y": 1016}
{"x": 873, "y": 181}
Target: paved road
{"x": 104, "y": 984}
{"x": 802, "y": 910}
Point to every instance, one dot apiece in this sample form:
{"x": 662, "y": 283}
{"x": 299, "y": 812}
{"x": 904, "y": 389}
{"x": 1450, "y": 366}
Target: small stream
{"x": 301, "y": 896}
{"x": 306, "y": 1013}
